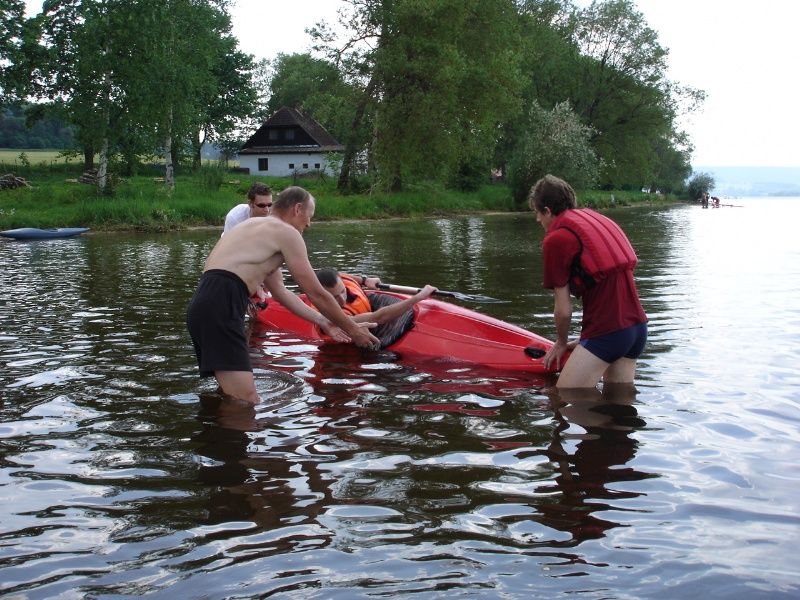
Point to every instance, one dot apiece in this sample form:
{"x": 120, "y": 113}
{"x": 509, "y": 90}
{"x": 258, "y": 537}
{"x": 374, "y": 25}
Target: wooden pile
{"x": 89, "y": 177}
{"x": 9, "y": 182}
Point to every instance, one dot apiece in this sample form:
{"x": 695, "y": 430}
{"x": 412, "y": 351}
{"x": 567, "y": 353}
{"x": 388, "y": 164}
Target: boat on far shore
{"x": 34, "y": 233}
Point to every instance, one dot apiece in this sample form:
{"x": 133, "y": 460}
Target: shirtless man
{"x": 245, "y": 258}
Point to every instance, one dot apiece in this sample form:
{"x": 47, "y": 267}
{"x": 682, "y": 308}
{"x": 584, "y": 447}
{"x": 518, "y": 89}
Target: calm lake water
{"x": 363, "y": 476}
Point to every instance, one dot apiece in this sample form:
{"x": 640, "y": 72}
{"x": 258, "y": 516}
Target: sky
{"x": 743, "y": 54}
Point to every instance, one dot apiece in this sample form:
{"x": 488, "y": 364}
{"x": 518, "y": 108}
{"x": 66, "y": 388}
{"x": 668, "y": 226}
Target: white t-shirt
{"x": 236, "y": 215}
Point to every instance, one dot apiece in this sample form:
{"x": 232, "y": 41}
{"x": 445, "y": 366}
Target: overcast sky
{"x": 744, "y": 54}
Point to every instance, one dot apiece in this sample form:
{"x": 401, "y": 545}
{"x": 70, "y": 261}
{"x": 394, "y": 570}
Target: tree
{"x": 699, "y": 184}
{"x": 317, "y": 88}
{"x": 11, "y": 31}
{"x": 554, "y": 142}
{"x": 435, "y": 78}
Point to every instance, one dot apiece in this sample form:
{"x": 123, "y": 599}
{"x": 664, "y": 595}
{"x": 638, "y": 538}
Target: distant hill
{"x": 754, "y": 181}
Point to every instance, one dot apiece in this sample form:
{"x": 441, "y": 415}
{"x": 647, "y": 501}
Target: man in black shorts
{"x": 244, "y": 259}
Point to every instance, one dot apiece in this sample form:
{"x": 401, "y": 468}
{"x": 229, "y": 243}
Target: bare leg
{"x": 622, "y": 370}
{"x": 583, "y": 370}
{"x": 239, "y": 385}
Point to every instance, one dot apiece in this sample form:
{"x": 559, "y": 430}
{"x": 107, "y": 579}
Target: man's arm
{"x": 393, "y": 311}
{"x": 274, "y": 282}
{"x": 562, "y": 314}
{"x": 296, "y": 258}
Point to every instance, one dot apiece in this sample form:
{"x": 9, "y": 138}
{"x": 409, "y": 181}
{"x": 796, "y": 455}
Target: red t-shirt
{"x": 612, "y": 304}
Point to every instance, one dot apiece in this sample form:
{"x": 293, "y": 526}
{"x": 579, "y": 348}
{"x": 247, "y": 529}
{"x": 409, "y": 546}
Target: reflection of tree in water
{"x": 438, "y": 447}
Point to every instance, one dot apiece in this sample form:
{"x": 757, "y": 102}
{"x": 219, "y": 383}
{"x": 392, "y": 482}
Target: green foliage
{"x": 554, "y": 142}
{"x": 699, "y": 184}
{"x": 211, "y": 176}
{"x": 44, "y": 132}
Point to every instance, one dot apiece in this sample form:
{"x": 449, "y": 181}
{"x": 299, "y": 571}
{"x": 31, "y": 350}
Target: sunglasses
{"x": 265, "y": 205}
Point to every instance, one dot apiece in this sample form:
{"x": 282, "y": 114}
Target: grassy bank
{"x": 141, "y": 202}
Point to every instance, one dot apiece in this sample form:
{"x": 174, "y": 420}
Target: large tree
{"x": 435, "y": 77}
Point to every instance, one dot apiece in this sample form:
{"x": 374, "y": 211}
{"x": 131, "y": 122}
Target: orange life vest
{"x": 360, "y": 303}
{"x": 605, "y": 248}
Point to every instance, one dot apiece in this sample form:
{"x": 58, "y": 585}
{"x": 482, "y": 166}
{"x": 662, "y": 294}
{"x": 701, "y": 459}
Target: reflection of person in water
{"x": 248, "y": 485}
{"x": 608, "y": 418}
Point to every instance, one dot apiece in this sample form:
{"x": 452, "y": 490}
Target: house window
{"x": 316, "y": 165}
{"x": 290, "y": 134}
{"x": 291, "y": 165}
{"x": 263, "y": 164}
{"x": 273, "y": 135}
{"x": 305, "y": 165}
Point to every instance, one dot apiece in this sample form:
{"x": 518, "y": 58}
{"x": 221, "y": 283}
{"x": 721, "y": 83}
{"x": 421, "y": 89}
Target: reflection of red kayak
{"x": 443, "y": 331}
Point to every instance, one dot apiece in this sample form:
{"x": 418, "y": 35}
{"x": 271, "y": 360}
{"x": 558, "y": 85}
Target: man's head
{"x": 553, "y": 193}
{"x": 330, "y": 280}
{"x": 295, "y": 206}
{"x": 259, "y": 197}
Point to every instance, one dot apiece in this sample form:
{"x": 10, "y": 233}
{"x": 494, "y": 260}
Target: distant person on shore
{"x": 393, "y": 315}
{"x": 242, "y": 260}
{"x": 259, "y": 203}
{"x": 587, "y": 254}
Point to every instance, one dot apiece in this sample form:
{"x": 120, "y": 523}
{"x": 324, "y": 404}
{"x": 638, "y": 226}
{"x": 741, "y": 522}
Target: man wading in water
{"x": 244, "y": 258}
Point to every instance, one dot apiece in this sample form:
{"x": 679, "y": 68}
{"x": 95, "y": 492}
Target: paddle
{"x": 402, "y": 289}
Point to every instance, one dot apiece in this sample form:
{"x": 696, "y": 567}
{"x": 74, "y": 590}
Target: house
{"x": 289, "y": 143}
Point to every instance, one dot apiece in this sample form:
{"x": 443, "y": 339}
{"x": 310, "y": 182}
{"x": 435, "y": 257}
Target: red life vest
{"x": 605, "y": 248}
{"x": 360, "y": 304}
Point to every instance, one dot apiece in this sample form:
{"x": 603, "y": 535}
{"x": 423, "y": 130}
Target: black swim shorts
{"x": 215, "y": 319}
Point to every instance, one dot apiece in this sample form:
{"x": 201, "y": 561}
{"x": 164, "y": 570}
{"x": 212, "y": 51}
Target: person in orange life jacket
{"x": 588, "y": 254}
{"x": 392, "y": 315}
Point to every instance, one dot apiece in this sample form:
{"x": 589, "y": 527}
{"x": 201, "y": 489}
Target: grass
{"x": 141, "y": 202}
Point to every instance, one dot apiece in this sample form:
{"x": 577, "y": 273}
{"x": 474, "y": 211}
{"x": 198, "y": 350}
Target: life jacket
{"x": 605, "y": 248}
{"x": 357, "y": 300}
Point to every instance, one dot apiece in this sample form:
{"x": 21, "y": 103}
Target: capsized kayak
{"x": 442, "y": 331}
{"x": 33, "y": 233}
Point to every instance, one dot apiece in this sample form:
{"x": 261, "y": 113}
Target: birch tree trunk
{"x": 169, "y": 171}
{"x": 102, "y": 169}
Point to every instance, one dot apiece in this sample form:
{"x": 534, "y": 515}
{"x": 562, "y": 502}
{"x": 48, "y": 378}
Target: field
{"x": 12, "y": 157}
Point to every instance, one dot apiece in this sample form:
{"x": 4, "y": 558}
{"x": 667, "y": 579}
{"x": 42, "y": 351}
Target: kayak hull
{"x": 33, "y": 233}
{"x": 442, "y": 331}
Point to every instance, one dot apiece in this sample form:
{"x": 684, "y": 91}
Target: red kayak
{"x": 442, "y": 331}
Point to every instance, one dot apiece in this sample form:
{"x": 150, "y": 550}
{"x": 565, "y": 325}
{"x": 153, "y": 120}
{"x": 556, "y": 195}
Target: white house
{"x": 288, "y": 143}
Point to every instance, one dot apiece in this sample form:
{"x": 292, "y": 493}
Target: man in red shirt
{"x": 588, "y": 255}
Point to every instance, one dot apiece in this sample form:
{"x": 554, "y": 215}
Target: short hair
{"x": 553, "y": 193}
{"x": 328, "y": 277}
{"x": 258, "y": 189}
{"x": 290, "y": 196}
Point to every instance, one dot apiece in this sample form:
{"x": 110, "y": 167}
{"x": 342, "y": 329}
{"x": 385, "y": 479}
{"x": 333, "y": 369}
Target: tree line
{"x": 432, "y": 90}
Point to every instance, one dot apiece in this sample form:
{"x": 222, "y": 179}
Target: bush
{"x": 554, "y": 142}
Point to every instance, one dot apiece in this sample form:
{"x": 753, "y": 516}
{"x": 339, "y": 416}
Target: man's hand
{"x": 371, "y": 282}
{"x": 334, "y": 332}
{"x": 425, "y": 292}
{"x": 553, "y": 356}
{"x": 363, "y": 338}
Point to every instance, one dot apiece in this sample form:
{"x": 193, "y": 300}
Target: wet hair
{"x": 327, "y": 277}
{"x": 553, "y": 193}
{"x": 258, "y": 189}
{"x": 291, "y": 196}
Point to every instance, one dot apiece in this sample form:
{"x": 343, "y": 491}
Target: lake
{"x": 363, "y": 474}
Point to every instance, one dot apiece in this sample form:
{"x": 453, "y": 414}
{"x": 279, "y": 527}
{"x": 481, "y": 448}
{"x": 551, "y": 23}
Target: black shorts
{"x": 215, "y": 319}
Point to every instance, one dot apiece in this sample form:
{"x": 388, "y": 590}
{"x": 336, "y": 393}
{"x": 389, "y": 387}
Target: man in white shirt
{"x": 259, "y": 203}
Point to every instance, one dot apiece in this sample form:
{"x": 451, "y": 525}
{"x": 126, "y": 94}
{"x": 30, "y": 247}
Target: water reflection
{"x": 445, "y": 455}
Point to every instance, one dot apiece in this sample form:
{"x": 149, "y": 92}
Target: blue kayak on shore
{"x": 32, "y": 233}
